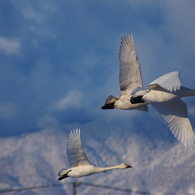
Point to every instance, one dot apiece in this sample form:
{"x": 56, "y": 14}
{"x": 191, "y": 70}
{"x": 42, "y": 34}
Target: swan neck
{"x": 101, "y": 169}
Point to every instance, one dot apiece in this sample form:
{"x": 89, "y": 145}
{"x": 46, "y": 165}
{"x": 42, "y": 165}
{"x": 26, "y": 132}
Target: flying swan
{"x": 80, "y": 165}
{"x": 130, "y": 78}
{"x": 164, "y": 95}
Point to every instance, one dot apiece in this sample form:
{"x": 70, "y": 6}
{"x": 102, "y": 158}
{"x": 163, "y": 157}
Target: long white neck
{"x": 101, "y": 169}
{"x": 184, "y": 91}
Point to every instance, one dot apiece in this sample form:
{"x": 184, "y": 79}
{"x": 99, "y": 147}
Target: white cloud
{"x": 72, "y": 99}
{"x": 9, "y": 46}
{"x": 36, "y": 12}
{"x": 83, "y": 53}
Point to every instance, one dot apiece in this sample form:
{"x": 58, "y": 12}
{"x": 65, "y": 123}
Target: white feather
{"x": 164, "y": 95}
{"x": 75, "y": 152}
{"x": 129, "y": 77}
{"x": 80, "y": 166}
{"x": 130, "y": 70}
{"x": 169, "y": 81}
{"x": 175, "y": 114}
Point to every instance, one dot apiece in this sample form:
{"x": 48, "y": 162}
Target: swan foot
{"x": 137, "y": 99}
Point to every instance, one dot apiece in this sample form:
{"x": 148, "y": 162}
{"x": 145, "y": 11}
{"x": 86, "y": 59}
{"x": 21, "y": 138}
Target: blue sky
{"x": 59, "y": 59}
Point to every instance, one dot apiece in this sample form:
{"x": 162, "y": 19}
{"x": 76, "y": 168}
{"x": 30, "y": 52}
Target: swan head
{"x": 127, "y": 166}
{"x": 110, "y": 103}
{"x": 63, "y": 174}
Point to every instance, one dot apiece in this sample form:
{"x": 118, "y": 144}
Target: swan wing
{"x": 130, "y": 70}
{"x": 175, "y": 114}
{"x": 169, "y": 81}
{"x": 75, "y": 152}
{"x": 138, "y": 92}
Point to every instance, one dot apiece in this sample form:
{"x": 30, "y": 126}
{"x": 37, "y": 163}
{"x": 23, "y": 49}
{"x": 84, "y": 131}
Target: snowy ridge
{"x": 35, "y": 159}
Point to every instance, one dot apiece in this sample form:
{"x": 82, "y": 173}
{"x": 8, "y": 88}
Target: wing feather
{"x": 130, "y": 70}
{"x": 169, "y": 81}
{"x": 75, "y": 152}
{"x": 175, "y": 114}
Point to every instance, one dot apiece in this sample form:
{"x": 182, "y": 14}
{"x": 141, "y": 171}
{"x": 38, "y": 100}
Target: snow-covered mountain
{"x": 160, "y": 164}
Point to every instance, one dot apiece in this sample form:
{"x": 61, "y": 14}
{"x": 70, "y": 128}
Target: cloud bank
{"x": 59, "y": 60}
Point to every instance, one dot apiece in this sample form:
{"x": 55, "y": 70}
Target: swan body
{"x": 80, "y": 165}
{"x": 129, "y": 77}
{"x": 164, "y": 95}
{"x": 87, "y": 170}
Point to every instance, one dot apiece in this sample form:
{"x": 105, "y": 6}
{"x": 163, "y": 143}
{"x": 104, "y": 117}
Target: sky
{"x": 59, "y": 58}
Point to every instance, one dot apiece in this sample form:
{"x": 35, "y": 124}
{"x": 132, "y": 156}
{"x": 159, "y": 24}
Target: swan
{"x": 129, "y": 77}
{"x": 80, "y": 165}
{"x": 164, "y": 95}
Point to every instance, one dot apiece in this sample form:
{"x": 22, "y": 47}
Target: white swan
{"x": 80, "y": 165}
{"x": 164, "y": 95}
{"x": 130, "y": 78}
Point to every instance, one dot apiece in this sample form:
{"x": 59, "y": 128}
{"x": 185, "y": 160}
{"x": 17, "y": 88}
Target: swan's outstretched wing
{"x": 130, "y": 70}
{"x": 75, "y": 152}
{"x": 169, "y": 81}
{"x": 175, "y": 113}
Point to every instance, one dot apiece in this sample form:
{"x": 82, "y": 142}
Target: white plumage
{"x": 164, "y": 95}
{"x": 129, "y": 77}
{"x": 80, "y": 165}
{"x": 169, "y": 81}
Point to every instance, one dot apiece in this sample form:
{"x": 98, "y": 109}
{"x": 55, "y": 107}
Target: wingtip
{"x": 74, "y": 132}
{"x": 128, "y": 39}
{"x": 131, "y": 36}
